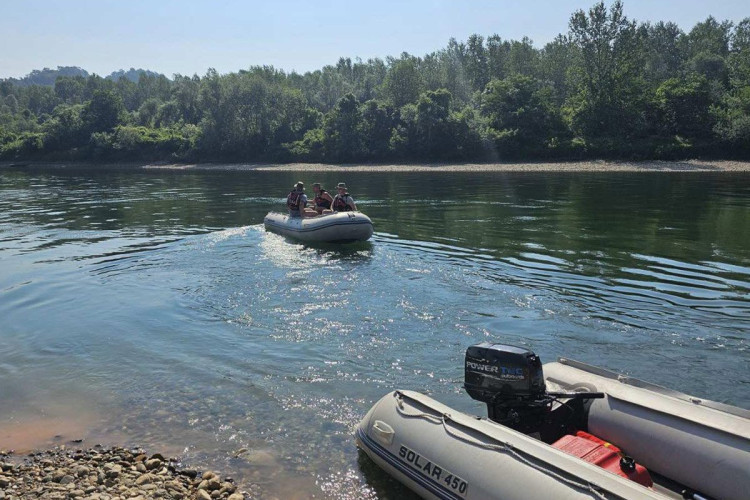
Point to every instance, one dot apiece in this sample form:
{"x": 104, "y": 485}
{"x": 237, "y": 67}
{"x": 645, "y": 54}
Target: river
{"x": 151, "y": 308}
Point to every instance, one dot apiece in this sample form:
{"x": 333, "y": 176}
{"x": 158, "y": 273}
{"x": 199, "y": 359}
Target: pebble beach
{"x": 112, "y": 473}
{"x": 576, "y": 166}
{"x": 570, "y": 166}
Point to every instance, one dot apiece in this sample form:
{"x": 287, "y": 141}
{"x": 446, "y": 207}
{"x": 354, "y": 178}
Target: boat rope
{"x": 445, "y": 418}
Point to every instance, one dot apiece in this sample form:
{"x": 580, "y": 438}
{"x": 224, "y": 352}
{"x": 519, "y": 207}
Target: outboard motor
{"x": 510, "y": 380}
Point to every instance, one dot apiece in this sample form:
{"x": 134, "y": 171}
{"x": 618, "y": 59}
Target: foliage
{"x": 608, "y": 74}
{"x": 683, "y": 103}
{"x": 521, "y": 115}
{"x": 609, "y": 87}
{"x": 103, "y": 112}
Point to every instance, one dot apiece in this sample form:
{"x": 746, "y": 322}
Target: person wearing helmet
{"x": 343, "y": 202}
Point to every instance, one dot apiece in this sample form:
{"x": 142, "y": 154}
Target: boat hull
{"x": 340, "y": 227}
{"x": 427, "y": 445}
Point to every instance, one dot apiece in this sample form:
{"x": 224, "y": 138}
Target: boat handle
{"x": 383, "y": 432}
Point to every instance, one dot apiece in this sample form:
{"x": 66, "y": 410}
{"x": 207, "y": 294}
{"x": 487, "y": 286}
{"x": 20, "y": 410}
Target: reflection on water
{"x": 156, "y": 306}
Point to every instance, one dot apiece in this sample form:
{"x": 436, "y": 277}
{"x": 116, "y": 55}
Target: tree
{"x": 663, "y": 51}
{"x": 739, "y": 57}
{"x": 12, "y": 103}
{"x": 732, "y": 118}
{"x": 66, "y": 129}
{"x": 103, "y": 112}
{"x": 712, "y": 66}
{"x": 147, "y": 112}
{"x": 343, "y": 141}
{"x": 376, "y": 129}
{"x": 708, "y": 47}
{"x": 40, "y": 99}
{"x": 683, "y": 103}
{"x": 430, "y": 130}
{"x": 521, "y": 115}
{"x": 128, "y": 92}
{"x": 476, "y": 62}
{"x": 70, "y": 90}
{"x": 433, "y": 71}
{"x": 709, "y": 37}
{"x": 403, "y": 83}
{"x": 497, "y": 53}
{"x": 293, "y": 118}
{"x": 186, "y": 94}
{"x": 555, "y": 61}
{"x": 454, "y": 59}
{"x": 370, "y": 77}
{"x": 610, "y": 91}
{"x": 522, "y": 58}
{"x": 432, "y": 124}
{"x": 732, "y": 112}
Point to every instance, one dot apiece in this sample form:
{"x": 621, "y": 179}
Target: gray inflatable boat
{"x": 567, "y": 430}
{"x": 339, "y": 227}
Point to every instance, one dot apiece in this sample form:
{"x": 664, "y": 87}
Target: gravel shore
{"x": 573, "y": 166}
{"x": 102, "y": 473}
{"x": 583, "y": 166}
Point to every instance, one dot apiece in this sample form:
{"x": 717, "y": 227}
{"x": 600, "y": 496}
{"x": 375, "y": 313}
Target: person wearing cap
{"x": 296, "y": 201}
{"x": 343, "y": 202}
{"x": 322, "y": 201}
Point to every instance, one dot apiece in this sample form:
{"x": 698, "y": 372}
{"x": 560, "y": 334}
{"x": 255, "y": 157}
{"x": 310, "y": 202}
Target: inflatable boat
{"x": 339, "y": 227}
{"x": 565, "y": 430}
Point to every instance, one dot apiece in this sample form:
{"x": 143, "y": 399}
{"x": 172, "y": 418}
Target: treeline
{"x": 609, "y": 88}
{"x": 48, "y": 76}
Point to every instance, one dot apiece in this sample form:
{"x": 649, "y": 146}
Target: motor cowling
{"x": 498, "y": 371}
{"x": 510, "y": 381}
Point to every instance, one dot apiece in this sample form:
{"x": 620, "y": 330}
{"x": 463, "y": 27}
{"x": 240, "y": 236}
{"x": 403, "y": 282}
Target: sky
{"x": 190, "y": 36}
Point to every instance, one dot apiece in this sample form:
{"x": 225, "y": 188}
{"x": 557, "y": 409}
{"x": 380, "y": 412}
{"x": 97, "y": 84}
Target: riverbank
{"x": 102, "y": 473}
{"x": 582, "y": 166}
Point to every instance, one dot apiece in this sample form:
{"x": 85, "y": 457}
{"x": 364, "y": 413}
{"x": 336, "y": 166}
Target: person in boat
{"x": 343, "y": 202}
{"x": 296, "y": 202}
{"x": 322, "y": 201}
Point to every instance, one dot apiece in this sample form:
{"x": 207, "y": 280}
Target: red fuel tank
{"x": 606, "y": 455}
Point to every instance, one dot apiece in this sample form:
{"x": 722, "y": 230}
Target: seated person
{"x": 343, "y": 202}
{"x": 322, "y": 201}
{"x": 296, "y": 202}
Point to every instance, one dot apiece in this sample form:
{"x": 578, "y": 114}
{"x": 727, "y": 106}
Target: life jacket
{"x": 340, "y": 205}
{"x": 320, "y": 202}
{"x": 292, "y": 201}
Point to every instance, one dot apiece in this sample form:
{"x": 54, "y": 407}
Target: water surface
{"x": 152, "y": 308}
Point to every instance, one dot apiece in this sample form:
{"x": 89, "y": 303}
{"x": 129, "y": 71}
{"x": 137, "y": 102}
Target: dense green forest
{"x": 608, "y": 88}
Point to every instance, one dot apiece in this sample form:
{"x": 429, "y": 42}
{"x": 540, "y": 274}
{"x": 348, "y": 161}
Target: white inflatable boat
{"x": 339, "y": 227}
{"x": 541, "y": 444}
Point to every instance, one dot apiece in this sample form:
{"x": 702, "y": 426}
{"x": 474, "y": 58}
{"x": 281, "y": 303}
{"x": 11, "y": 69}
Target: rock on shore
{"x": 107, "y": 474}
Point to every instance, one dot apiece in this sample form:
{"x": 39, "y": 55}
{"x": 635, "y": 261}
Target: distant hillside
{"x": 47, "y": 76}
{"x": 132, "y": 74}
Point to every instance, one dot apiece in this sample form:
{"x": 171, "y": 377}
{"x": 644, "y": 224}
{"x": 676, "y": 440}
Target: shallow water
{"x": 153, "y": 309}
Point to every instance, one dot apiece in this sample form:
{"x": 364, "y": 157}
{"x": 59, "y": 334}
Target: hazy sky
{"x": 190, "y": 36}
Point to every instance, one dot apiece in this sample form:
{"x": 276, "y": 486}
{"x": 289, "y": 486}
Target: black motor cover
{"x": 498, "y": 371}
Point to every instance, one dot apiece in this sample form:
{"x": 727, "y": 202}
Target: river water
{"x": 151, "y": 308}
